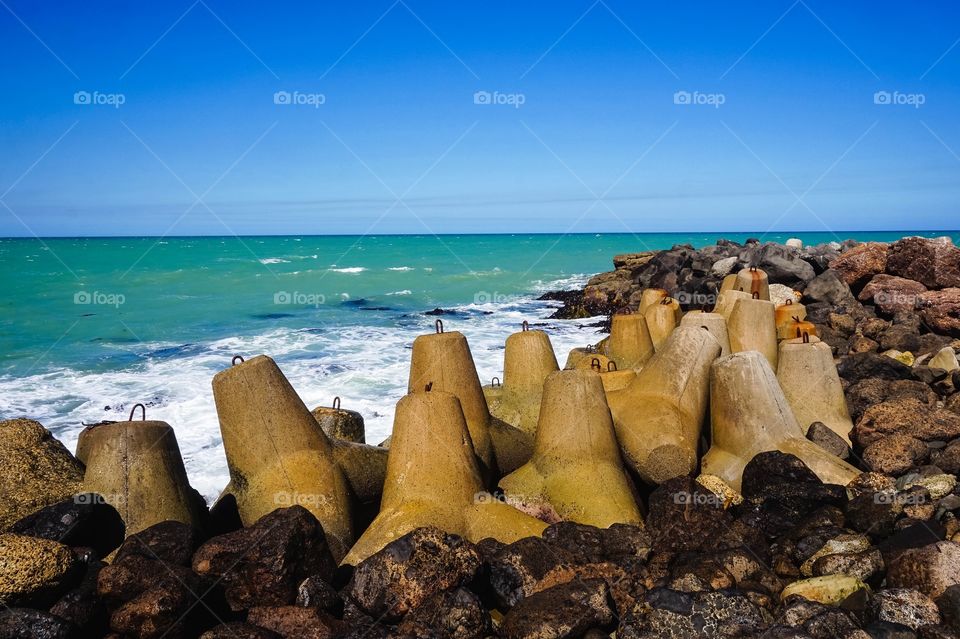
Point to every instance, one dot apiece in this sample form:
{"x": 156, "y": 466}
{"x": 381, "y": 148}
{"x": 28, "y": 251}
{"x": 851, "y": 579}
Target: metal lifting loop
{"x": 525, "y": 325}
{"x": 143, "y": 412}
{"x": 611, "y": 366}
{"x": 595, "y": 363}
{"x": 796, "y": 318}
{"x": 439, "y": 325}
{"x": 591, "y": 348}
{"x": 336, "y": 403}
{"x": 233, "y": 362}
{"x": 625, "y": 310}
{"x": 753, "y": 269}
{"x": 755, "y": 295}
{"x": 788, "y": 302}
{"x": 667, "y": 300}
{"x": 495, "y": 382}
{"x": 806, "y": 337}
{"x": 428, "y": 387}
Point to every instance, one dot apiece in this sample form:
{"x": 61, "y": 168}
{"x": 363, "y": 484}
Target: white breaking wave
{"x": 399, "y": 268}
{"x": 273, "y": 260}
{"x": 349, "y": 269}
{"x": 405, "y": 291}
{"x": 366, "y": 366}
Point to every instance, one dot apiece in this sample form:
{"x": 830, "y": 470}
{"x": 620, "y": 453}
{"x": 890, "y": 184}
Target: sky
{"x": 413, "y": 116}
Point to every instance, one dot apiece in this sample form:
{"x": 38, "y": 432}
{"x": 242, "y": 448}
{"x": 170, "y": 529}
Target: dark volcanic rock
{"x": 410, "y": 570}
{"x": 906, "y": 416}
{"x": 933, "y": 263}
{"x": 894, "y": 454}
{"x": 685, "y": 516}
{"x": 905, "y": 607}
{"x": 315, "y": 592}
{"x": 454, "y": 614}
{"x": 588, "y": 544}
{"x": 84, "y": 520}
{"x": 940, "y": 311}
{"x": 892, "y": 294}
{"x": 824, "y": 437}
{"x": 82, "y": 606}
{"x": 567, "y": 610}
{"x": 830, "y": 289}
{"x": 264, "y": 564}
{"x": 930, "y": 569}
{"x": 527, "y": 566}
{"x": 858, "y": 264}
{"x": 25, "y": 623}
{"x": 294, "y": 622}
{"x": 868, "y": 392}
{"x": 708, "y": 614}
{"x": 861, "y": 366}
{"x": 239, "y": 630}
{"x": 169, "y": 541}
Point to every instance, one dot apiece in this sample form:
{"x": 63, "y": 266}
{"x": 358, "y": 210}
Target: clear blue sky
{"x": 399, "y": 144}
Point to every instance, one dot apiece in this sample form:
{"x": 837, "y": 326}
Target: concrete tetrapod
{"x": 811, "y": 384}
{"x": 576, "y": 355}
{"x": 788, "y": 311}
{"x": 658, "y": 417}
{"x": 713, "y": 322}
{"x": 754, "y": 282}
{"x": 614, "y": 379}
{"x": 794, "y": 328}
{"x": 339, "y": 423}
{"x": 576, "y": 466}
{"x": 726, "y": 301}
{"x": 137, "y": 468}
{"x": 729, "y": 283}
{"x": 650, "y": 297}
{"x": 433, "y": 479}
{"x": 443, "y": 362}
{"x": 629, "y": 343}
{"x": 749, "y": 415}
{"x": 527, "y": 360}
{"x": 661, "y": 319}
{"x": 751, "y": 327}
{"x": 276, "y": 453}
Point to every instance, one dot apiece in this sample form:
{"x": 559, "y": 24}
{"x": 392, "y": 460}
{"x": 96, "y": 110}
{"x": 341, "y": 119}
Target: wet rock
{"x": 857, "y": 265}
{"x": 409, "y": 570}
{"x": 892, "y": 294}
{"x": 37, "y": 470}
{"x": 82, "y": 606}
{"x": 527, "y": 566}
{"x": 84, "y": 520}
{"x": 566, "y": 610}
{"x": 906, "y": 416}
{"x": 264, "y": 564}
{"x": 905, "y": 607}
{"x": 454, "y": 614}
{"x": 894, "y": 454}
{"x": 33, "y": 570}
{"x": 169, "y": 541}
{"x": 315, "y": 592}
{"x": 940, "y": 310}
{"x": 681, "y": 615}
{"x": 294, "y": 622}
{"x": 829, "y": 288}
{"x": 26, "y": 623}
{"x": 157, "y": 612}
{"x": 824, "y": 437}
{"x": 779, "y": 491}
{"x": 239, "y": 630}
{"x": 930, "y": 569}
{"x": 861, "y": 366}
{"x": 933, "y": 263}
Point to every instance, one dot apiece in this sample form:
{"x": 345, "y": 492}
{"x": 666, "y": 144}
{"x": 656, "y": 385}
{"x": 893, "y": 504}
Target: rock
{"x": 239, "y": 630}
{"x": 528, "y": 566}
{"x": 934, "y": 264}
{"x": 829, "y": 288}
{"x": 24, "y": 623}
{"x": 868, "y": 392}
{"x": 824, "y": 437}
{"x": 938, "y": 486}
{"x": 861, "y": 366}
{"x": 894, "y": 454}
{"x": 779, "y": 294}
{"x": 779, "y": 491}
{"x": 949, "y": 606}
{"x": 905, "y": 607}
{"x": 843, "y": 324}
{"x": 947, "y": 459}
{"x": 455, "y": 613}
{"x": 157, "y": 612}
{"x": 566, "y": 610}
{"x": 940, "y": 310}
{"x": 873, "y": 327}
{"x": 632, "y": 260}
{"x": 607, "y": 292}
{"x": 82, "y": 606}
{"x": 409, "y": 570}
{"x": 782, "y": 265}
{"x": 892, "y": 294}
{"x": 906, "y": 416}
{"x": 33, "y": 569}
{"x": 681, "y": 615}
{"x": 830, "y": 589}
{"x": 862, "y": 565}
{"x": 264, "y": 564}
{"x": 169, "y": 541}
{"x": 904, "y": 358}
{"x": 37, "y": 470}
{"x": 84, "y": 520}
{"x": 315, "y": 592}
{"x": 685, "y": 516}
{"x": 722, "y": 267}
{"x": 844, "y": 543}
{"x": 945, "y": 359}
{"x": 930, "y": 569}
{"x": 862, "y": 344}
{"x": 588, "y": 544}
{"x": 294, "y": 622}
{"x": 857, "y": 265}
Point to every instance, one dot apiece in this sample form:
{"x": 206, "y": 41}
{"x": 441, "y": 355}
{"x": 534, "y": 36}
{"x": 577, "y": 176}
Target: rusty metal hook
{"x": 336, "y": 403}
{"x": 143, "y": 412}
{"x": 611, "y": 366}
{"x": 495, "y": 382}
{"x": 667, "y": 300}
{"x": 806, "y": 336}
{"x": 753, "y": 269}
{"x": 787, "y": 302}
{"x": 755, "y": 295}
{"x": 439, "y": 326}
{"x": 233, "y": 362}
{"x": 428, "y": 387}
{"x": 595, "y": 363}
{"x": 525, "y": 325}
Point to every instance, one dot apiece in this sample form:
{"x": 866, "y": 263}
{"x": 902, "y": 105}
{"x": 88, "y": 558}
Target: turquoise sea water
{"x": 90, "y": 326}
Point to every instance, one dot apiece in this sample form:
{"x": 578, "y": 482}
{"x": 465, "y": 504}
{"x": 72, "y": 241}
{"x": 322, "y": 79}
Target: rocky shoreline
{"x": 766, "y": 445}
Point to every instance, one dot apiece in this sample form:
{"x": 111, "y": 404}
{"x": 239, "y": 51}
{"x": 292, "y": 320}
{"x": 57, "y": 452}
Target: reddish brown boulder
{"x": 858, "y": 264}
{"x": 295, "y": 622}
{"x": 892, "y": 294}
{"x": 894, "y": 454}
{"x": 906, "y": 416}
{"x": 933, "y": 263}
{"x": 930, "y": 569}
{"x": 940, "y": 310}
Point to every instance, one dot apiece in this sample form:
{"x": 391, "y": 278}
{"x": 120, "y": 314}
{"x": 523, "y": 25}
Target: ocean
{"x": 91, "y": 326}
